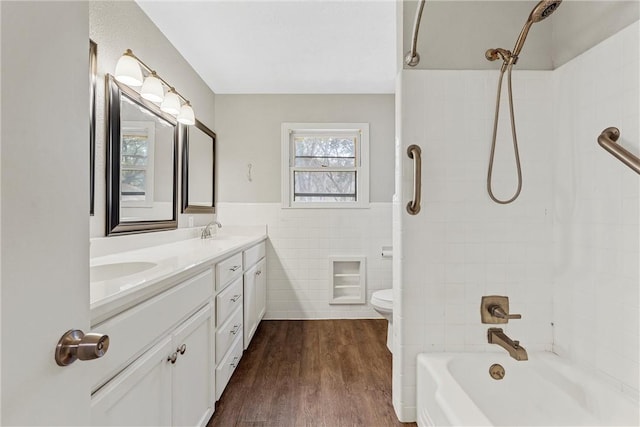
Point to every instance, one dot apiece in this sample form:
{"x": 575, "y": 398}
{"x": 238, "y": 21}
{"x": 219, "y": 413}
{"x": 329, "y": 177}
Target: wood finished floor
{"x": 311, "y": 373}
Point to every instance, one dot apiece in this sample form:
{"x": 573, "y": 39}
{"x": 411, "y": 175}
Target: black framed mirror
{"x": 142, "y": 163}
{"x": 93, "y": 71}
{"x": 198, "y": 169}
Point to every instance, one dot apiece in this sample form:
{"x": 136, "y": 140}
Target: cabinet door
{"x": 250, "y": 313}
{"x": 193, "y": 373}
{"x": 140, "y": 395}
{"x": 261, "y": 290}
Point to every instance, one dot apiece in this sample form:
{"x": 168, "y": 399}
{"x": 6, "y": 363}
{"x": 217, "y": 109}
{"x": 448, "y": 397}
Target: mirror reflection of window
{"x": 136, "y": 163}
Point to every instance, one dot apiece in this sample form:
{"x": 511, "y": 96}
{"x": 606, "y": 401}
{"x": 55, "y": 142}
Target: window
{"x": 136, "y": 164}
{"x": 325, "y": 165}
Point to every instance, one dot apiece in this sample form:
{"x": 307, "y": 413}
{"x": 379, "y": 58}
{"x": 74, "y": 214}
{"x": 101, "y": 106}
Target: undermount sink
{"x": 99, "y": 273}
{"x": 222, "y": 237}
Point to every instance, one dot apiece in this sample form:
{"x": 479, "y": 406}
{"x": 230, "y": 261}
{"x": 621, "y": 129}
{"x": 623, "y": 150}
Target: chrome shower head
{"x": 544, "y": 9}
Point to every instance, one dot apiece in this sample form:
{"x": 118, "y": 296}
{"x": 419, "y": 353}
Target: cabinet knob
{"x": 235, "y": 329}
{"x": 235, "y": 298}
{"x": 259, "y": 272}
{"x": 182, "y": 349}
{"x": 76, "y": 345}
{"x": 172, "y": 358}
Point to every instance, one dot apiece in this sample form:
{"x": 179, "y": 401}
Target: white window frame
{"x": 361, "y": 167}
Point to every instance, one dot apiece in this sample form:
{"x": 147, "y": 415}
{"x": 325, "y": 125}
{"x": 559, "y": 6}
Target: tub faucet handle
{"x": 497, "y": 311}
{"x": 494, "y": 309}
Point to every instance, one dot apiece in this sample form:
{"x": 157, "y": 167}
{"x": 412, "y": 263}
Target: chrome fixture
{"x": 496, "y": 371}
{"x": 608, "y": 140}
{"x": 412, "y": 58}
{"x": 128, "y": 72}
{"x": 76, "y": 345}
{"x": 494, "y": 309}
{"x": 497, "y": 336}
{"x": 206, "y": 231}
{"x": 414, "y": 152}
{"x": 509, "y": 58}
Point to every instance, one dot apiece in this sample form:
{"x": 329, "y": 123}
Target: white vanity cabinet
{"x": 161, "y": 360}
{"x": 229, "y": 322}
{"x": 255, "y": 289}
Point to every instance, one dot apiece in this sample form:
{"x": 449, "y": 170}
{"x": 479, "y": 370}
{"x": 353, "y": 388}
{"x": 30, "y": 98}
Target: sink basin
{"x": 99, "y": 273}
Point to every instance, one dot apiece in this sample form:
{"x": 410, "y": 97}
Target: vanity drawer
{"x": 136, "y": 329}
{"x": 254, "y": 254}
{"x": 228, "y": 365}
{"x": 227, "y": 332}
{"x": 228, "y": 270}
{"x": 228, "y": 300}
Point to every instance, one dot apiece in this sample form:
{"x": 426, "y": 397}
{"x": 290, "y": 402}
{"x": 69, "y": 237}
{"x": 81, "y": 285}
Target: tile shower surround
{"x": 565, "y": 247}
{"x": 298, "y": 250}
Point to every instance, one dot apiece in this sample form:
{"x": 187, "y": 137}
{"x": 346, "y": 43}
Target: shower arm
{"x": 412, "y": 58}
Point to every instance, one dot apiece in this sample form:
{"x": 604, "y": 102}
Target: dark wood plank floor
{"x": 311, "y": 373}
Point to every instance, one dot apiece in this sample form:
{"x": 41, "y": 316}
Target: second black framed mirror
{"x": 198, "y": 169}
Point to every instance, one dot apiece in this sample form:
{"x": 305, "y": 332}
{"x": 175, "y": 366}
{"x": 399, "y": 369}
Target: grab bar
{"x": 414, "y": 152}
{"x": 412, "y": 58}
{"x": 607, "y": 140}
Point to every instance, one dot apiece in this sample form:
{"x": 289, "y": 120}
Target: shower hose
{"x": 513, "y": 133}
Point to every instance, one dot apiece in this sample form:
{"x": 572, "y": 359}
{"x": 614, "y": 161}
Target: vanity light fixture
{"x": 186, "y": 116}
{"x": 171, "y": 103}
{"x": 152, "y": 89}
{"x": 129, "y": 72}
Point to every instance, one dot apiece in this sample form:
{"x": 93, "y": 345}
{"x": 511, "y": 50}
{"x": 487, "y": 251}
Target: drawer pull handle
{"x": 235, "y": 329}
{"x": 233, "y": 364}
{"x": 235, "y": 267}
{"x": 259, "y": 272}
{"x": 172, "y": 358}
{"x": 182, "y": 349}
{"x": 235, "y": 298}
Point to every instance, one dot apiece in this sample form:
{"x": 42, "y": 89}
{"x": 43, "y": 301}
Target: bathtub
{"x": 457, "y": 390}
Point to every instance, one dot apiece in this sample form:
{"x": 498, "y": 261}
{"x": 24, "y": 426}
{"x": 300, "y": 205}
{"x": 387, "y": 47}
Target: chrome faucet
{"x": 497, "y": 336}
{"x": 206, "y": 231}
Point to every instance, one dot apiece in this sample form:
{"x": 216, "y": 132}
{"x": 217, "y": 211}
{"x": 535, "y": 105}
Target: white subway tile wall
{"x": 597, "y": 212}
{"x": 300, "y": 244}
{"x": 566, "y": 252}
{"x": 462, "y": 245}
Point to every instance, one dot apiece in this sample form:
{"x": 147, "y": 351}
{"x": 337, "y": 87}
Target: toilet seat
{"x": 383, "y": 299}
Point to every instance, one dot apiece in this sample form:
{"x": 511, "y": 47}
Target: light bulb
{"x": 128, "y": 70}
{"x": 171, "y": 103}
{"x": 186, "y": 116}
{"x": 152, "y": 89}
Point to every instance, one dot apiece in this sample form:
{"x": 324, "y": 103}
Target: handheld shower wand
{"x": 509, "y": 58}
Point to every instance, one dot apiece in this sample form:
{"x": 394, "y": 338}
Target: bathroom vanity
{"x": 179, "y": 316}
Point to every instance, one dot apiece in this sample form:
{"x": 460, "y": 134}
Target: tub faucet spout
{"x": 497, "y": 336}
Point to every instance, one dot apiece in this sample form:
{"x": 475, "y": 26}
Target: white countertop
{"x": 175, "y": 262}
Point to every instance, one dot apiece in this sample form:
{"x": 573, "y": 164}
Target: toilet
{"x": 382, "y": 302}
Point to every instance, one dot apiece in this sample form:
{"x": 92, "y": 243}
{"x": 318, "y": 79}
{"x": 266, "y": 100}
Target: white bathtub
{"x": 456, "y": 389}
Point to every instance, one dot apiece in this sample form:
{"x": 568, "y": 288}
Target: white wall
{"x": 119, "y": 25}
{"x": 301, "y": 240}
{"x": 596, "y": 212}
{"x": 565, "y": 252}
{"x": 462, "y": 245}
{"x": 248, "y": 130}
